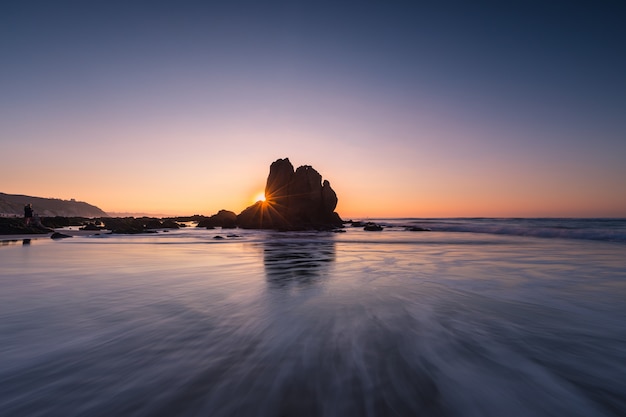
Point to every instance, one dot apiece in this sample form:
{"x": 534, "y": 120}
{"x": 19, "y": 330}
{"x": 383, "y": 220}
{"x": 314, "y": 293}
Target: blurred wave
{"x": 613, "y": 230}
{"x": 313, "y": 324}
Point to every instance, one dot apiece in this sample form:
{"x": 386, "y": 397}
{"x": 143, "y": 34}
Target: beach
{"x": 476, "y": 317}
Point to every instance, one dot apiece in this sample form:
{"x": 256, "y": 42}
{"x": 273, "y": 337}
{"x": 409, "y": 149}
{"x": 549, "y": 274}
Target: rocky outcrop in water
{"x": 17, "y": 226}
{"x": 131, "y": 225}
{"x": 372, "y": 227}
{"x": 295, "y": 200}
{"x": 224, "y": 218}
{"x": 57, "y": 235}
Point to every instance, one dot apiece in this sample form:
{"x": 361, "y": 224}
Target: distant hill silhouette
{"x": 13, "y": 204}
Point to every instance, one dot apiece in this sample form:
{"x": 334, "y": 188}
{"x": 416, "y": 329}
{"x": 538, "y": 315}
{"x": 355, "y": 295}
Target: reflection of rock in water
{"x": 289, "y": 262}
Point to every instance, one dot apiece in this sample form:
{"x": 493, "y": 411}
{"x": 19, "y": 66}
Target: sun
{"x": 260, "y": 197}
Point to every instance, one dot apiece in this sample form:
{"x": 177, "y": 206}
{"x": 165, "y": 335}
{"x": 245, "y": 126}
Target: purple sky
{"x": 491, "y": 109}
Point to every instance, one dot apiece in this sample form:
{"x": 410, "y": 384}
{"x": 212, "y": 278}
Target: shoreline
{"x": 33, "y": 236}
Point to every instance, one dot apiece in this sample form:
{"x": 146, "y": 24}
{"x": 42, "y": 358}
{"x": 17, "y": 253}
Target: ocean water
{"x": 477, "y": 317}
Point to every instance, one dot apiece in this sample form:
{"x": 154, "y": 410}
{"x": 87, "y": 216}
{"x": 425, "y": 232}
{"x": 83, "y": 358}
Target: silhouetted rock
{"x": 278, "y": 182}
{"x": 16, "y": 226}
{"x": 224, "y": 219}
{"x": 417, "y": 229}
{"x": 151, "y": 223}
{"x": 124, "y": 225}
{"x": 372, "y": 227}
{"x": 295, "y": 200}
{"x": 57, "y": 235}
{"x": 91, "y": 227}
{"x": 169, "y": 224}
{"x": 181, "y": 219}
{"x": 329, "y": 198}
{"x": 61, "y": 221}
{"x": 131, "y": 225}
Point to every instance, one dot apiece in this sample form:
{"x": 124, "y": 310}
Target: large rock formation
{"x": 294, "y": 200}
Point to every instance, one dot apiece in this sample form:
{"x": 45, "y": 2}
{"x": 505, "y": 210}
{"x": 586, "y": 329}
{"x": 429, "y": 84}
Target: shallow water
{"x": 313, "y": 324}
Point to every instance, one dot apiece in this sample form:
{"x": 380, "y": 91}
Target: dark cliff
{"x": 13, "y": 204}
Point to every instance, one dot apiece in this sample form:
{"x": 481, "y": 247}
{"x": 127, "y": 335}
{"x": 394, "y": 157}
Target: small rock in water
{"x": 57, "y": 235}
{"x": 372, "y": 227}
{"x": 90, "y": 226}
{"x": 417, "y": 229}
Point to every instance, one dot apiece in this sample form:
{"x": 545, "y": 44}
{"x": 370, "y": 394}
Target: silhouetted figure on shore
{"x": 28, "y": 214}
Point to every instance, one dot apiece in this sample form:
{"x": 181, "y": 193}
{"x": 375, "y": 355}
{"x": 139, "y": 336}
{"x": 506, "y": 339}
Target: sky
{"x": 463, "y": 109}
